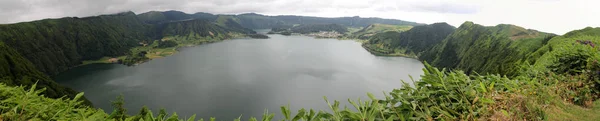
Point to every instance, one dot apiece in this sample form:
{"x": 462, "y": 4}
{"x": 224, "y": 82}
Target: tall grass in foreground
{"x": 438, "y": 95}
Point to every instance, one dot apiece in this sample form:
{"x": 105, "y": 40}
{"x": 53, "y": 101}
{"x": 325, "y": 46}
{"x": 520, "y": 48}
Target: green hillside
{"x": 55, "y": 45}
{"x": 485, "y": 50}
{"x": 409, "y": 43}
{"x": 373, "y": 29}
{"x": 258, "y": 21}
{"x": 15, "y": 70}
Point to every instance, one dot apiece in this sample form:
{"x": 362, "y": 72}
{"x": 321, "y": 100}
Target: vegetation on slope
{"x": 409, "y": 43}
{"x": 258, "y": 21}
{"x": 367, "y": 32}
{"x": 486, "y": 50}
{"x": 55, "y": 45}
{"x": 15, "y": 70}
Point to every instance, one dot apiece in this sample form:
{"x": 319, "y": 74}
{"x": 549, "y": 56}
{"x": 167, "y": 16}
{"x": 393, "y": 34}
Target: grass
{"x": 380, "y": 28}
{"x": 564, "y": 111}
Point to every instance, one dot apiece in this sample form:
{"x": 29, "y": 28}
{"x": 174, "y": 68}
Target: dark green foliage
{"x": 193, "y": 29}
{"x": 205, "y": 16}
{"x": 312, "y": 28}
{"x": 493, "y": 50}
{"x": 156, "y": 17}
{"x": 257, "y": 21}
{"x": 415, "y": 40}
{"x": 119, "y": 113}
{"x": 15, "y": 70}
{"x": 573, "y": 63}
{"x": 135, "y": 58}
{"x": 55, "y": 45}
{"x": 166, "y": 44}
{"x": 236, "y": 27}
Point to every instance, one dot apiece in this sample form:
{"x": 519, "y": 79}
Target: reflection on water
{"x": 245, "y": 76}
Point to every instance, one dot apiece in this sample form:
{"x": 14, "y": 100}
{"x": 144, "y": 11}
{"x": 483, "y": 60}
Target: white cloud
{"x": 556, "y": 16}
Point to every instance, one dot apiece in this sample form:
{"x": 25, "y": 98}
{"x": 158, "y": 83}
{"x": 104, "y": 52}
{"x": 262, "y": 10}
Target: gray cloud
{"x": 447, "y": 8}
{"x": 26, "y": 10}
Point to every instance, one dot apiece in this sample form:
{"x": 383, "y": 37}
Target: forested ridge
{"x": 258, "y": 21}
{"x": 486, "y": 50}
{"x": 55, "y": 45}
{"x": 411, "y": 43}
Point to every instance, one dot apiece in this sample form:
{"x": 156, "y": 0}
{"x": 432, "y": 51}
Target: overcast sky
{"x": 555, "y": 16}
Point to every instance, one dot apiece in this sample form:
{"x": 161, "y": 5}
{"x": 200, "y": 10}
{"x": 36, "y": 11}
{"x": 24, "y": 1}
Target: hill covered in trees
{"x": 55, "y": 45}
{"x": 409, "y": 43}
{"x": 15, "y": 70}
{"x": 258, "y": 21}
{"x": 486, "y": 50}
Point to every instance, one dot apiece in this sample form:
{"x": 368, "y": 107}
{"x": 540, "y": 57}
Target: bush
{"x": 166, "y": 44}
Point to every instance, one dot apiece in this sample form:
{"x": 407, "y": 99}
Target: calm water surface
{"x": 245, "y": 76}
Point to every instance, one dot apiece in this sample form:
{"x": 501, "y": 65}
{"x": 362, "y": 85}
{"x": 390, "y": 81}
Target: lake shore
{"x": 395, "y": 54}
{"x": 153, "y": 52}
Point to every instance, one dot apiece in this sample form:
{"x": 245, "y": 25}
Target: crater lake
{"x": 245, "y": 77}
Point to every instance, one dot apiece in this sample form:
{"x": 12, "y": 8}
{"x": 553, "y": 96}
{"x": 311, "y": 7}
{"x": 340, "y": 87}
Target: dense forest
{"x": 475, "y": 48}
{"x": 15, "y": 70}
{"x": 472, "y": 72}
{"x": 411, "y": 42}
{"x": 55, "y": 45}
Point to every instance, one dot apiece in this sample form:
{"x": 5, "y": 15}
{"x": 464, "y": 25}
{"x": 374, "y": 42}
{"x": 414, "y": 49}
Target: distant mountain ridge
{"x": 258, "y": 21}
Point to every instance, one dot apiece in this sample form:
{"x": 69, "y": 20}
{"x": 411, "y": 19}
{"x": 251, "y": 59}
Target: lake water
{"x": 245, "y": 76}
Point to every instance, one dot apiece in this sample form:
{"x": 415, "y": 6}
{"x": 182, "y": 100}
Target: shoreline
{"x": 373, "y": 52}
{"x": 175, "y": 50}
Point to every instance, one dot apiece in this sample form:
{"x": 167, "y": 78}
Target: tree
{"x": 119, "y": 112}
